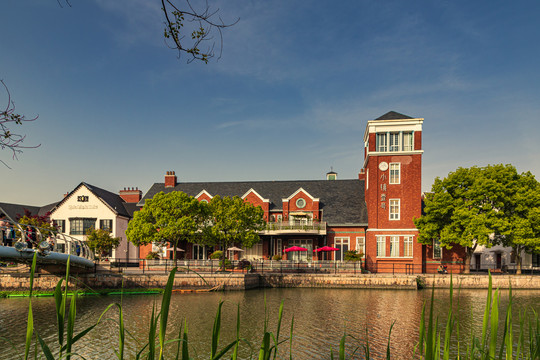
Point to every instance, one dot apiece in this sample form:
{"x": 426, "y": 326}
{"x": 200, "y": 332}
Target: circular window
{"x": 204, "y": 201}
{"x": 300, "y": 203}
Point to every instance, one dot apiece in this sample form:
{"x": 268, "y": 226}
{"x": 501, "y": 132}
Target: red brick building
{"x": 372, "y": 214}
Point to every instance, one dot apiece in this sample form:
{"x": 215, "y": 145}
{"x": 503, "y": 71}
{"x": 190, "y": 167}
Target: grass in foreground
{"x": 435, "y": 342}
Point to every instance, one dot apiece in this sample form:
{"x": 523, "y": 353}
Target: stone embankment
{"x": 235, "y": 281}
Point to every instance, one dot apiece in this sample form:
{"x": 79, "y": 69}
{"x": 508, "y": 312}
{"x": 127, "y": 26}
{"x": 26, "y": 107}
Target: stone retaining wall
{"x": 116, "y": 281}
{"x": 20, "y": 282}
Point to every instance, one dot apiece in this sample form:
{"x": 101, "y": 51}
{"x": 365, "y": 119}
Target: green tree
{"x": 167, "y": 218}
{"x": 460, "y": 210}
{"x": 518, "y": 205}
{"x": 101, "y": 241}
{"x": 233, "y": 221}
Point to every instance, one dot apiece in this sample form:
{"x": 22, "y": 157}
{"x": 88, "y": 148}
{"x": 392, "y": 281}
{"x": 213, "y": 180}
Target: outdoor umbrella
{"x": 326, "y": 248}
{"x": 295, "y": 248}
{"x": 234, "y": 248}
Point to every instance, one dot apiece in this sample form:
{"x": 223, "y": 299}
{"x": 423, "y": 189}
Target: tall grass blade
{"x": 430, "y": 334}
{"x": 264, "y": 352}
{"x": 30, "y": 321}
{"x": 165, "y": 303}
{"x": 185, "y": 350}
{"x": 291, "y": 338}
{"x": 388, "y": 345}
{"x": 494, "y": 324}
{"x": 71, "y": 324}
{"x": 235, "y": 352}
{"x": 366, "y": 346}
{"x": 46, "y": 350}
{"x": 342, "y": 347}
{"x": 152, "y": 333}
{"x": 216, "y": 331}
{"x": 507, "y": 333}
{"x": 487, "y": 310}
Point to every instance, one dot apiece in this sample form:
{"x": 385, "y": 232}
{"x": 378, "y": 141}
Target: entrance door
{"x": 499, "y": 260}
{"x": 477, "y": 258}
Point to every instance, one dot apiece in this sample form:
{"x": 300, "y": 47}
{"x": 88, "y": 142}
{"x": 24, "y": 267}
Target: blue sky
{"x": 290, "y": 97}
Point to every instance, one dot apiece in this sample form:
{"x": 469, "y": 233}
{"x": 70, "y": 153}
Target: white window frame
{"x": 408, "y": 146}
{"x": 382, "y": 142}
{"x": 394, "y": 143}
{"x": 395, "y": 174}
{"x": 339, "y": 242}
{"x": 408, "y": 246}
{"x": 394, "y": 207}
{"x": 381, "y": 246}
{"x": 361, "y": 245}
{"x": 394, "y": 246}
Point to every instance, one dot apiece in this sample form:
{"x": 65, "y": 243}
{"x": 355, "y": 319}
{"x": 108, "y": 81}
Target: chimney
{"x": 170, "y": 179}
{"x": 131, "y": 195}
{"x": 66, "y": 194}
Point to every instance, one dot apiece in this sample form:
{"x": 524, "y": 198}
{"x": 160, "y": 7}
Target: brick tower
{"x": 393, "y": 178}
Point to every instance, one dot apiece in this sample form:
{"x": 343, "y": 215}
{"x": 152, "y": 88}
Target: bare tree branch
{"x": 188, "y": 29}
{"x": 8, "y": 140}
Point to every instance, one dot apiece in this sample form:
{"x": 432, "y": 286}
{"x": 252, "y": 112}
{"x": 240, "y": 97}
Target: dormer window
{"x": 395, "y": 141}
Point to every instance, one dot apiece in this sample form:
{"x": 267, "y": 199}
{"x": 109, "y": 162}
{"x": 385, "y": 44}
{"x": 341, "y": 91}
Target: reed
{"x": 435, "y": 342}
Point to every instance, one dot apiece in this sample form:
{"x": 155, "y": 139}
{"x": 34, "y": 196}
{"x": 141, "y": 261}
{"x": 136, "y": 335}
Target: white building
{"x": 90, "y": 207}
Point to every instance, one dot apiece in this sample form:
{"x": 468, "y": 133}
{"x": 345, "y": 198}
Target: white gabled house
{"x": 90, "y": 207}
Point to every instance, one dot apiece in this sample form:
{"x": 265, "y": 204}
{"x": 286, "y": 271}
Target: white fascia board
{"x": 296, "y": 193}
{"x": 374, "y": 126}
{"x": 256, "y": 193}
{"x": 203, "y": 192}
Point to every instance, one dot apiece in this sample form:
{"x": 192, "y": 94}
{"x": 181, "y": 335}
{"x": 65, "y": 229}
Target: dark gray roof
{"x": 115, "y": 202}
{"x": 131, "y": 208}
{"x": 392, "y": 115}
{"x": 342, "y": 201}
{"x": 15, "y": 211}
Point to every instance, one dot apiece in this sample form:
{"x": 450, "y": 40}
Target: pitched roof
{"x": 14, "y": 211}
{"x": 341, "y": 201}
{"x": 392, "y": 115}
{"x": 114, "y": 201}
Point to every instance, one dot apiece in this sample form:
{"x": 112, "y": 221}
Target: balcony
{"x": 295, "y": 227}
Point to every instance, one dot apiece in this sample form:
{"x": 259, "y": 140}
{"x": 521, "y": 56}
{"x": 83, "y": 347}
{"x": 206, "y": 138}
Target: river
{"x": 321, "y": 317}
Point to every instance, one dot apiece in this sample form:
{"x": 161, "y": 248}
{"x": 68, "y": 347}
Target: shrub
{"x": 277, "y": 257}
{"x": 152, "y": 255}
{"x": 352, "y": 255}
{"x": 216, "y": 255}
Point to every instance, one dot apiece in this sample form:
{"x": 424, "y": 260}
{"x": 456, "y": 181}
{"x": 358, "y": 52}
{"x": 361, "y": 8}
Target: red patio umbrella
{"x": 326, "y": 248}
{"x": 295, "y": 248}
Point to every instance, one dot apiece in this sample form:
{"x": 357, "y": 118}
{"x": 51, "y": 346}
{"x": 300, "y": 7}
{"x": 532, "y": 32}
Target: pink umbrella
{"x": 295, "y": 248}
{"x": 326, "y": 248}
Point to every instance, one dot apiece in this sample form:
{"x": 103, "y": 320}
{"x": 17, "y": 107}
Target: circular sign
{"x": 383, "y": 166}
{"x": 300, "y": 203}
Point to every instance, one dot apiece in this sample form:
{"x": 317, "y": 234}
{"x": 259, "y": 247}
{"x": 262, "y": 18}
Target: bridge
{"x": 52, "y": 247}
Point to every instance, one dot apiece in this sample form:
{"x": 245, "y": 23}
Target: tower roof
{"x": 392, "y": 115}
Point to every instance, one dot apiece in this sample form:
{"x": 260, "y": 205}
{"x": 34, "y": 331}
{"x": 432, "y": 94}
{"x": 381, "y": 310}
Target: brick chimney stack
{"x": 170, "y": 179}
{"x": 131, "y": 195}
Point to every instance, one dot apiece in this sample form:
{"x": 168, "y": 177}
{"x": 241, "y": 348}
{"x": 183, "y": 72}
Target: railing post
{"x": 393, "y": 268}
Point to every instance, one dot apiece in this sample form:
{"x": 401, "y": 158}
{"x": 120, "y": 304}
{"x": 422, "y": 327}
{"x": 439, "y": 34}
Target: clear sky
{"x": 288, "y": 100}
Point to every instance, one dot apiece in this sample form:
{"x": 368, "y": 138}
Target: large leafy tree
{"x": 233, "y": 221}
{"x": 518, "y": 210}
{"x": 167, "y": 218}
{"x": 101, "y": 241}
{"x": 483, "y": 206}
{"x": 460, "y": 210}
